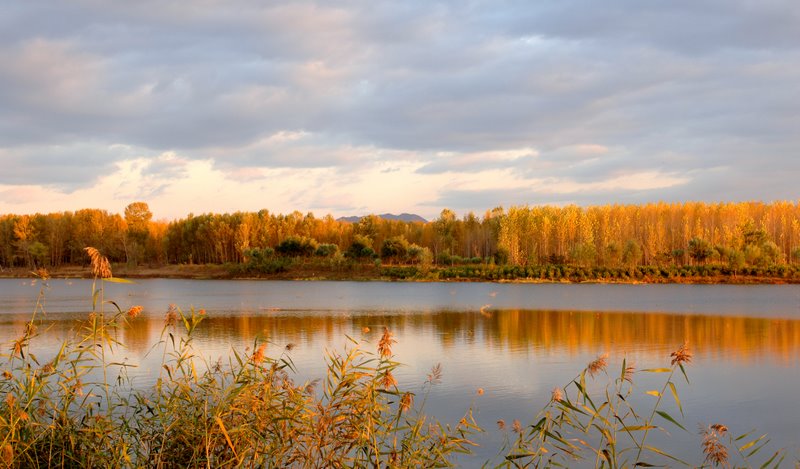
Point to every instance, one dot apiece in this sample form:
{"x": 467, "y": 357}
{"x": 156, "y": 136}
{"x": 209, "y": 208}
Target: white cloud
{"x": 642, "y": 181}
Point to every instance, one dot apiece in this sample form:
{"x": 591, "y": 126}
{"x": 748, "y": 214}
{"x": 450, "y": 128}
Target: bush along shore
{"x": 292, "y": 268}
{"x": 676, "y": 242}
{"x": 77, "y": 409}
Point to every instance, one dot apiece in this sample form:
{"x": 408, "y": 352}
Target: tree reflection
{"x": 739, "y": 338}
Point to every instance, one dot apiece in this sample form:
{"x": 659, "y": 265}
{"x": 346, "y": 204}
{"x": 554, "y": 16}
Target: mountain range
{"x": 386, "y": 216}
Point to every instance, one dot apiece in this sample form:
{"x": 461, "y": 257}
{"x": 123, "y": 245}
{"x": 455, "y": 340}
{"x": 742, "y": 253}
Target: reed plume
{"x": 385, "y": 344}
{"x": 627, "y": 375}
{"x": 406, "y": 402}
{"x": 435, "y": 376}
{"x": 388, "y": 380}
{"x": 258, "y": 355}
{"x": 517, "y": 426}
{"x": 134, "y": 311}
{"x": 171, "y": 318}
{"x": 101, "y": 268}
{"x": 598, "y": 365}
{"x": 716, "y": 452}
{"x": 681, "y": 356}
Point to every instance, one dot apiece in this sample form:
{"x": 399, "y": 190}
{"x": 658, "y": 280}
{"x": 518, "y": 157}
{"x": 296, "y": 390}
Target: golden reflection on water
{"x": 743, "y": 339}
{"x": 519, "y": 331}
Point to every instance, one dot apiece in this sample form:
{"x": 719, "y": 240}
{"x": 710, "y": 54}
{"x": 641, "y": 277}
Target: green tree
{"x": 501, "y": 256}
{"x": 753, "y": 236}
{"x": 771, "y": 253}
{"x": 613, "y": 255}
{"x": 326, "y": 250}
{"x": 700, "y": 250}
{"x": 796, "y": 255}
{"x": 394, "y": 249}
{"x": 752, "y": 254}
{"x": 422, "y": 256}
{"x": 583, "y": 254}
{"x": 632, "y": 253}
{"x": 294, "y": 246}
{"x": 677, "y": 256}
{"x": 39, "y": 253}
{"x": 360, "y": 248}
{"x": 735, "y": 260}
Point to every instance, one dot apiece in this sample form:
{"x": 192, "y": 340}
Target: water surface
{"x": 515, "y": 341}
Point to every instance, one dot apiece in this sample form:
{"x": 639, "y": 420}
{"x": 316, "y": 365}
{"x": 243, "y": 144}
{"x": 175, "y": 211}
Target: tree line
{"x": 619, "y": 236}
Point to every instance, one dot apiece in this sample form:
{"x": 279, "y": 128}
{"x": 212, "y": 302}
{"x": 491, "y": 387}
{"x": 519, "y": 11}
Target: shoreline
{"x": 373, "y": 273}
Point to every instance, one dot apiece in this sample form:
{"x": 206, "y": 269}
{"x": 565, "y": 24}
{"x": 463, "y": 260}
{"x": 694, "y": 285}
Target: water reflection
{"x": 514, "y": 332}
{"x": 516, "y": 355}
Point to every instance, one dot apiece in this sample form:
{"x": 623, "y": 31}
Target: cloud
{"x": 67, "y": 166}
{"x": 699, "y": 99}
{"x": 477, "y": 162}
{"x": 685, "y": 26}
{"x": 517, "y": 189}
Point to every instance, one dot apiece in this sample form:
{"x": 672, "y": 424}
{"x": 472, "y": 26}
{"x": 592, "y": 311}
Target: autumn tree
{"x": 445, "y": 232}
{"x": 137, "y": 219}
{"x": 24, "y": 235}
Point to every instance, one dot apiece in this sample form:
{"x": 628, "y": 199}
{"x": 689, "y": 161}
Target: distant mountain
{"x": 386, "y": 216}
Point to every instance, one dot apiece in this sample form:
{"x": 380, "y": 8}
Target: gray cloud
{"x": 678, "y": 87}
{"x": 65, "y": 166}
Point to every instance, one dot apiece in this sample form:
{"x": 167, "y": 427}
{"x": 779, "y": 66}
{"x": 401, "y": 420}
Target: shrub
{"x": 394, "y": 249}
{"x": 360, "y": 248}
{"x": 262, "y": 261}
{"x": 294, "y": 246}
{"x": 398, "y": 272}
{"x": 326, "y": 250}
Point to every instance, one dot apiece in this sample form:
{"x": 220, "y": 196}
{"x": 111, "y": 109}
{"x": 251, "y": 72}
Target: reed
{"x": 592, "y": 422}
{"x": 78, "y": 409}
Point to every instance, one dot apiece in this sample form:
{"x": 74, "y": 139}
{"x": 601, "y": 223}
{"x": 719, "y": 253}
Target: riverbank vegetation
{"x": 78, "y": 409}
{"x": 690, "y": 242}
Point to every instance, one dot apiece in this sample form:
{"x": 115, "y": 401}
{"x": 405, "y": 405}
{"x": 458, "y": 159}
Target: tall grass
{"x": 596, "y": 424}
{"x": 77, "y": 408}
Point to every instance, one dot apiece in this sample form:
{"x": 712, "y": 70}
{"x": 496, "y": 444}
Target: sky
{"x": 356, "y": 107}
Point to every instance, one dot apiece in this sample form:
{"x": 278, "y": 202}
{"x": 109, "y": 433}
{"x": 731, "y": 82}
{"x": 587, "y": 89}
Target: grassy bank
{"x": 304, "y": 269}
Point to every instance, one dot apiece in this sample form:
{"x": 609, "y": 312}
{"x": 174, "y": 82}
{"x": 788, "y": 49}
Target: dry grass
{"x": 246, "y": 412}
{"x": 579, "y": 427}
